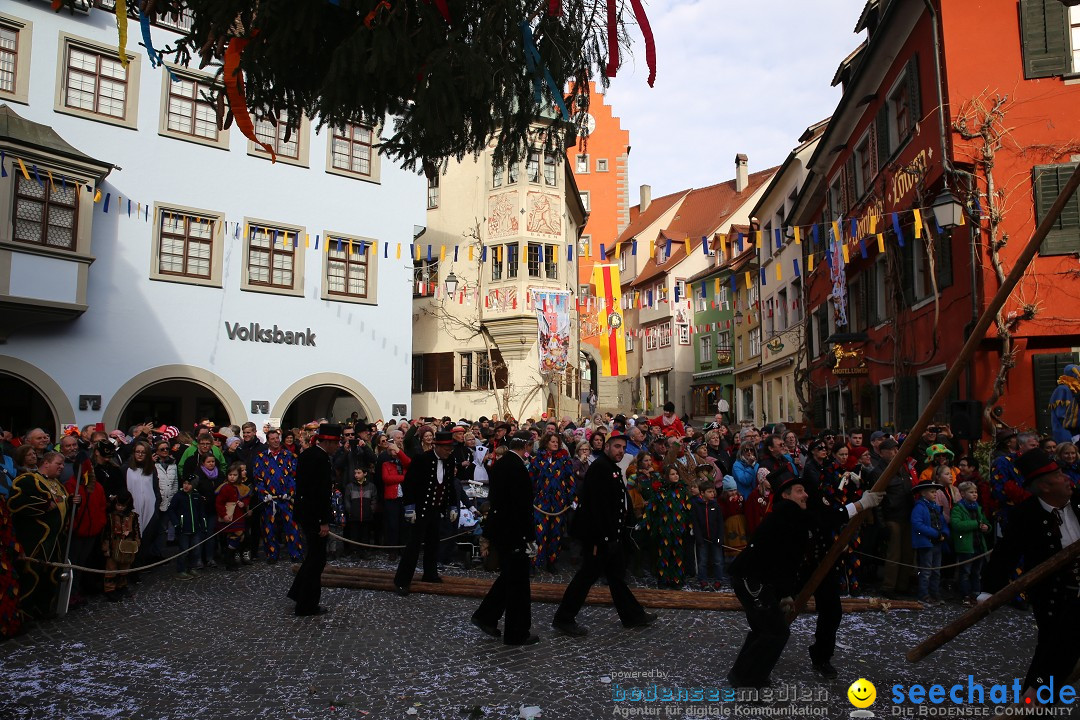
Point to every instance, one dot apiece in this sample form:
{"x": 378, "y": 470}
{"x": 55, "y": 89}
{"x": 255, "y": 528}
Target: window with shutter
{"x": 911, "y": 76}
{"x": 1064, "y": 236}
{"x": 850, "y": 191}
{"x": 943, "y": 260}
{"x": 501, "y": 375}
{"x": 881, "y": 127}
{"x": 1047, "y": 368}
{"x": 446, "y": 370}
{"x": 907, "y": 402}
{"x": 1043, "y": 26}
{"x": 818, "y": 413}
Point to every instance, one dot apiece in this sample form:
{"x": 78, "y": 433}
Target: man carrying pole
{"x": 1038, "y": 529}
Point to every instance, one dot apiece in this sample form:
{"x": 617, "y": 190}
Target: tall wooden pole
{"x": 1023, "y": 260}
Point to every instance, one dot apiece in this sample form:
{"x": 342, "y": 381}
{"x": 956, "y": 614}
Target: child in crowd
{"x": 189, "y": 518}
{"x": 709, "y": 534}
{"x": 731, "y": 504}
{"x": 231, "y": 505}
{"x": 359, "y": 499}
{"x": 120, "y": 543}
{"x": 970, "y": 529}
{"x": 337, "y": 521}
{"x": 758, "y": 502}
{"x": 929, "y": 531}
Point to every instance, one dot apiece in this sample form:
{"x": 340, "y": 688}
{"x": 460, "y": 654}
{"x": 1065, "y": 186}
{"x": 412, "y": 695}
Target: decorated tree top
{"x": 455, "y": 75}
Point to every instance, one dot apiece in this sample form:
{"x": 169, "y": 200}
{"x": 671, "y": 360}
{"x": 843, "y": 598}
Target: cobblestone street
{"x": 228, "y": 646}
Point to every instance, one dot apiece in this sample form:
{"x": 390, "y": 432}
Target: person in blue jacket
{"x": 744, "y": 470}
{"x": 929, "y": 531}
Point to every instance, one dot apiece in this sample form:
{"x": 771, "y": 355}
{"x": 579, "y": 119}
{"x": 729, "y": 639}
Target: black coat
{"x": 420, "y": 487}
{"x": 314, "y": 485}
{"x": 826, "y": 516}
{"x": 1031, "y": 536}
{"x": 510, "y": 525}
{"x": 604, "y": 514}
{"x": 777, "y": 548}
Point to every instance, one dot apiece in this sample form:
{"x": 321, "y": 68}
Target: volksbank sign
{"x": 254, "y": 332}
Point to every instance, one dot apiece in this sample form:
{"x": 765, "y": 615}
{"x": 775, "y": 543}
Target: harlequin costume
{"x": 39, "y": 514}
{"x": 275, "y": 484}
{"x": 552, "y": 475}
{"x": 667, "y": 515}
{"x": 1065, "y": 405}
{"x": 849, "y": 562}
{"x": 1006, "y": 487}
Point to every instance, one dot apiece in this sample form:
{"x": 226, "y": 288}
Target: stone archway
{"x": 232, "y": 403}
{"x": 328, "y": 380}
{"x": 48, "y": 389}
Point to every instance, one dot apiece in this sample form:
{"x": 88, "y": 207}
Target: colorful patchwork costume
{"x": 275, "y": 483}
{"x": 552, "y": 476}
{"x": 39, "y": 515}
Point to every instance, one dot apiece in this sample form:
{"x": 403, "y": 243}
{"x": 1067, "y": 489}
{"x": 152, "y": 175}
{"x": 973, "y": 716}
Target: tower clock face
{"x": 589, "y": 125}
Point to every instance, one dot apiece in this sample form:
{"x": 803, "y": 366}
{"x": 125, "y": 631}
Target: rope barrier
{"x": 918, "y": 567}
{"x": 553, "y": 514}
{"x": 125, "y": 571}
{"x": 391, "y": 547}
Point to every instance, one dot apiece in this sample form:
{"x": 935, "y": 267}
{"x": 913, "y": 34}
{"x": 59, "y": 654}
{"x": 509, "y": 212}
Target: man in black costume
{"x": 314, "y": 485}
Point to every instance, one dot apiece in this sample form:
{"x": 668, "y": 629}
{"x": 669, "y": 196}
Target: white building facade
{"x": 204, "y": 280}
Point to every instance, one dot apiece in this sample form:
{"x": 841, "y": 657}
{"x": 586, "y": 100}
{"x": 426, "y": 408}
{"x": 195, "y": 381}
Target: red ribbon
{"x": 234, "y": 92}
{"x": 612, "y": 39}
{"x": 443, "y": 9}
{"x": 646, "y": 32}
{"x": 554, "y": 7}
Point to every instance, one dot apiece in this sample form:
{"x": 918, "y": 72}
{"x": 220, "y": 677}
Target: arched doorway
{"x": 23, "y": 407}
{"x": 333, "y": 403}
{"x": 333, "y": 396}
{"x": 174, "y": 402}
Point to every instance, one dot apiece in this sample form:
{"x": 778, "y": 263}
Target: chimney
{"x": 741, "y": 173}
{"x": 646, "y": 197}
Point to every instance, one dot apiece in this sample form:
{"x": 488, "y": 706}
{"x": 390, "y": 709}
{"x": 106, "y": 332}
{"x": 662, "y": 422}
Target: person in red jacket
{"x": 392, "y": 464}
{"x": 89, "y": 522}
{"x": 669, "y": 424}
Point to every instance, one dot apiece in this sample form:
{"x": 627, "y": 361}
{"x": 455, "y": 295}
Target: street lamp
{"x": 738, "y": 316}
{"x": 451, "y": 283}
{"x": 948, "y": 211}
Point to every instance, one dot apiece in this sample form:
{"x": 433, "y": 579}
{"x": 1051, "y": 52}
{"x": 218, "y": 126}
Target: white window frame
{"x": 863, "y": 149}
{"x": 887, "y": 402}
{"x": 581, "y": 164}
{"x": 684, "y": 334}
{"x": 583, "y": 244}
{"x": 629, "y": 341}
{"x": 664, "y": 329}
{"x": 301, "y": 135}
{"x": 586, "y": 200}
{"x": 601, "y": 165}
{"x": 680, "y": 285}
{"x": 705, "y": 348}
{"x": 200, "y": 79}
{"x": 374, "y": 173}
{"x": 371, "y": 296}
{"x": 297, "y": 287}
{"x": 929, "y": 380}
{"x": 24, "y": 34}
{"x": 433, "y": 192}
{"x": 217, "y": 244}
{"x": 131, "y": 81}
{"x": 622, "y": 262}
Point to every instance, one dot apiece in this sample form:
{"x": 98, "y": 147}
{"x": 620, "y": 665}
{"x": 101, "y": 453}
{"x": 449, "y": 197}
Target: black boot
{"x": 230, "y": 560}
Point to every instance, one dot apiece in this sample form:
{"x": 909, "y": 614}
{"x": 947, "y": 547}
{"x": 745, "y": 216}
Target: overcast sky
{"x": 733, "y": 76}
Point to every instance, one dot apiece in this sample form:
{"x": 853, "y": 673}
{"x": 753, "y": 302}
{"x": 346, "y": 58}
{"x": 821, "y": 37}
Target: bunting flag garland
{"x": 234, "y": 92}
{"x": 918, "y": 223}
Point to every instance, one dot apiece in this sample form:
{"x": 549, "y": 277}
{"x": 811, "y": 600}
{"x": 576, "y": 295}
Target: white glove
{"x": 983, "y": 597}
{"x": 410, "y": 513}
{"x": 531, "y": 549}
{"x": 453, "y": 515}
{"x": 787, "y": 604}
{"x": 871, "y": 499}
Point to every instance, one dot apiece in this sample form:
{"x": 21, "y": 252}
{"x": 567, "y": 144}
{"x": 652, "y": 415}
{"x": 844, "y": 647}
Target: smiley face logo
{"x": 862, "y": 693}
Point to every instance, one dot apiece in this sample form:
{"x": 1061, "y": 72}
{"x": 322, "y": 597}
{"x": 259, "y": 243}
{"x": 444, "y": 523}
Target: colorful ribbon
{"x": 121, "y": 28}
{"x": 234, "y": 91}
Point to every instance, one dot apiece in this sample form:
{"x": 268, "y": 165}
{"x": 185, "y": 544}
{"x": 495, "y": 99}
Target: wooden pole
{"x": 371, "y": 579}
{"x": 1023, "y": 260}
{"x": 1033, "y": 577}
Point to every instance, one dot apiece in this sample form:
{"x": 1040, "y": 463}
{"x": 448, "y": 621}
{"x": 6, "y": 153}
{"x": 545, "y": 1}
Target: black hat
{"x": 444, "y": 438}
{"x": 106, "y": 448}
{"x": 781, "y": 479}
{"x": 927, "y": 485}
{"x": 1003, "y": 434}
{"x": 1036, "y": 463}
{"x": 329, "y": 432}
{"x": 669, "y": 406}
{"x": 366, "y": 427}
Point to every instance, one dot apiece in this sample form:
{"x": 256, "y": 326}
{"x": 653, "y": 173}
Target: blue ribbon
{"x": 897, "y": 230}
{"x": 532, "y": 64}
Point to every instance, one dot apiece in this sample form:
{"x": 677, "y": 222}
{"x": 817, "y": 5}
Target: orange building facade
{"x": 599, "y": 161}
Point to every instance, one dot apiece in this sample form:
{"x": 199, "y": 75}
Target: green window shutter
{"x": 881, "y": 127}
{"x": 1064, "y": 236}
{"x": 911, "y": 77}
{"x": 818, "y": 412}
{"x": 943, "y": 264}
{"x": 907, "y": 402}
{"x": 1043, "y": 27}
{"x": 870, "y": 274}
{"x": 1047, "y": 368}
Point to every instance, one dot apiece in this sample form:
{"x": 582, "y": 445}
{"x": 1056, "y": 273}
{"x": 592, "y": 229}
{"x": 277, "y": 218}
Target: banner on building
{"x": 838, "y": 275}
{"x": 610, "y": 320}
{"x": 553, "y": 327}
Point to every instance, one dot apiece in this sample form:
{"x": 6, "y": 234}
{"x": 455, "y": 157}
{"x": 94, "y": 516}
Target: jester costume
{"x": 1065, "y": 405}
{"x": 839, "y": 492}
{"x": 10, "y": 623}
{"x": 667, "y": 515}
{"x": 552, "y": 476}
{"x": 39, "y": 514}
{"x": 275, "y": 484}
{"x": 1006, "y": 487}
